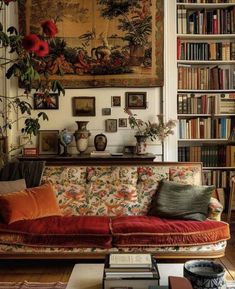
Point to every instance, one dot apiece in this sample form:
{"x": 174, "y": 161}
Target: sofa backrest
{"x": 114, "y": 190}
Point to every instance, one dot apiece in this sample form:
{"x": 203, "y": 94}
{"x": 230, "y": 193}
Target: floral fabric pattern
{"x": 128, "y": 175}
{"x": 102, "y": 174}
{"x": 69, "y": 184}
{"x": 185, "y": 250}
{"x": 112, "y": 200}
{"x": 148, "y": 181}
{"x": 188, "y": 175}
{"x": 112, "y": 190}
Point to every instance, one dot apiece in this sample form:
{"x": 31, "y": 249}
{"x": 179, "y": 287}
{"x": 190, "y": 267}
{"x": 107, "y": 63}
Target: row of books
{"x": 206, "y": 21}
{"x": 205, "y": 1}
{"x": 222, "y": 181}
{"x": 130, "y": 270}
{"x": 190, "y": 103}
{"x": 210, "y": 156}
{"x": 205, "y": 50}
{"x": 205, "y": 128}
{"x": 218, "y": 178}
{"x": 205, "y": 78}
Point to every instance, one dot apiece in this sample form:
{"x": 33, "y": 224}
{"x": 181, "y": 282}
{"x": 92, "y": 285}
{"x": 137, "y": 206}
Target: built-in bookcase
{"x": 206, "y": 87}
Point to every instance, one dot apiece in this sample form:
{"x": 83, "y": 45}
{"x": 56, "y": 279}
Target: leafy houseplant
{"x": 151, "y": 130}
{"x": 25, "y": 57}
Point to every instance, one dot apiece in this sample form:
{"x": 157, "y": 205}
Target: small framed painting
{"x": 24, "y": 140}
{"x": 136, "y": 100}
{"x": 83, "y": 106}
{"x": 106, "y": 111}
{"x": 46, "y": 101}
{"x": 111, "y": 125}
{"x": 116, "y": 101}
{"x": 122, "y": 122}
{"x": 48, "y": 142}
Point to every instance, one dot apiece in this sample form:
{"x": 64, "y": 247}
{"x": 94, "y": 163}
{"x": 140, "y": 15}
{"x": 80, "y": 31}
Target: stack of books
{"x": 134, "y": 271}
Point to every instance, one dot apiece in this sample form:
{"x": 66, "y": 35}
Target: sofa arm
{"x": 215, "y": 209}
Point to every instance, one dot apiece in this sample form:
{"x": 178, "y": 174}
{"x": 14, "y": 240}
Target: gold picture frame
{"x": 48, "y": 142}
{"x": 111, "y": 125}
{"x": 83, "y": 106}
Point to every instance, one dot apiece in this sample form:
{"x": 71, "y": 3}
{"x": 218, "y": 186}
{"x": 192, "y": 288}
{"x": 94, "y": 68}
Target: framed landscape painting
{"x": 83, "y": 106}
{"x": 100, "y": 44}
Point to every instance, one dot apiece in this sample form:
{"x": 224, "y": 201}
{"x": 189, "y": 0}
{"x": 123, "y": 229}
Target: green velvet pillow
{"x": 181, "y": 201}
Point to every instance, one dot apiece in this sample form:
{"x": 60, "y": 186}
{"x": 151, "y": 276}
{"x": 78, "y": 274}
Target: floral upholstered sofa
{"x": 105, "y": 209}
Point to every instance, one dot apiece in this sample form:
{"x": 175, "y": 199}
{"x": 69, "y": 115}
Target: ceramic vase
{"x": 141, "y": 144}
{"x": 82, "y": 135}
{"x": 205, "y": 274}
{"x": 100, "y": 142}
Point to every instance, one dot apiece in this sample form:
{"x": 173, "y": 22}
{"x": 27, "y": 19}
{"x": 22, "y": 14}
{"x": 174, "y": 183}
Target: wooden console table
{"x": 86, "y": 159}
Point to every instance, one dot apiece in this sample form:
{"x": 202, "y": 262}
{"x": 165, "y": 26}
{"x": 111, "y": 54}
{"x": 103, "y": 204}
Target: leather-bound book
{"x": 179, "y": 283}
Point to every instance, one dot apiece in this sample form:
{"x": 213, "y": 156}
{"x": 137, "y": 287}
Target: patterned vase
{"x": 82, "y": 135}
{"x": 205, "y": 274}
{"x": 141, "y": 144}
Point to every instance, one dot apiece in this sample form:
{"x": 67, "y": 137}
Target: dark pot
{"x": 204, "y": 274}
{"x": 100, "y": 142}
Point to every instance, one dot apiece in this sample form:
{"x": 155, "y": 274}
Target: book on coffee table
{"x": 129, "y": 272}
{"x": 130, "y": 260}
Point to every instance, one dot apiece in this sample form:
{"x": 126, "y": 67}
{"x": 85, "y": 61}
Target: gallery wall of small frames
{"x": 83, "y": 106}
{"x": 86, "y": 106}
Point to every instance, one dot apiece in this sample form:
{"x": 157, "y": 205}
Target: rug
{"x": 32, "y": 285}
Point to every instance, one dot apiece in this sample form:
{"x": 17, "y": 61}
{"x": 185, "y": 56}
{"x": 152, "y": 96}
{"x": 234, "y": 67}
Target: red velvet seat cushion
{"x": 72, "y": 231}
{"x": 153, "y": 231}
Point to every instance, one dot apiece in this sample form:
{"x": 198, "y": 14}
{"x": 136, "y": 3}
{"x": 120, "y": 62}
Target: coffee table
{"x": 90, "y": 276}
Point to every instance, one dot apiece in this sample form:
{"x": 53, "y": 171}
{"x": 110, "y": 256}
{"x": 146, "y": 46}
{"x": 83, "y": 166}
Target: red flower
{"x": 49, "y": 28}
{"x": 31, "y": 42}
{"x": 43, "y": 49}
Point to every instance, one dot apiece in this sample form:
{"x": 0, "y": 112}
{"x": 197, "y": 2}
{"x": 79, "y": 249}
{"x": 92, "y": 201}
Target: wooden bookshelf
{"x": 206, "y": 88}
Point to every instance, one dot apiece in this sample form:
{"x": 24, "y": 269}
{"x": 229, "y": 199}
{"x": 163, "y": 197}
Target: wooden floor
{"x": 60, "y": 270}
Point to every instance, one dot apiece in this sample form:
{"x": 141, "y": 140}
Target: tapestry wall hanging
{"x": 101, "y": 43}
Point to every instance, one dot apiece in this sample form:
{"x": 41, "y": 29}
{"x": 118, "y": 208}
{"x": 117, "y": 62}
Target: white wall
{"x": 62, "y": 118}
{"x": 170, "y": 77}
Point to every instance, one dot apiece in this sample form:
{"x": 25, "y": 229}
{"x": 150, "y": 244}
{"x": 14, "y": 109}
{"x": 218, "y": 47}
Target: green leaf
{"x": 4, "y": 39}
{"x": 10, "y": 71}
{"x": 43, "y": 115}
{"x": 12, "y": 30}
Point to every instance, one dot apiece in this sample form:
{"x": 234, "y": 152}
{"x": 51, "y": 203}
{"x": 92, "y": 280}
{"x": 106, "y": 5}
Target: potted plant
{"x": 149, "y": 130}
{"x": 25, "y": 57}
{"x": 138, "y": 29}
